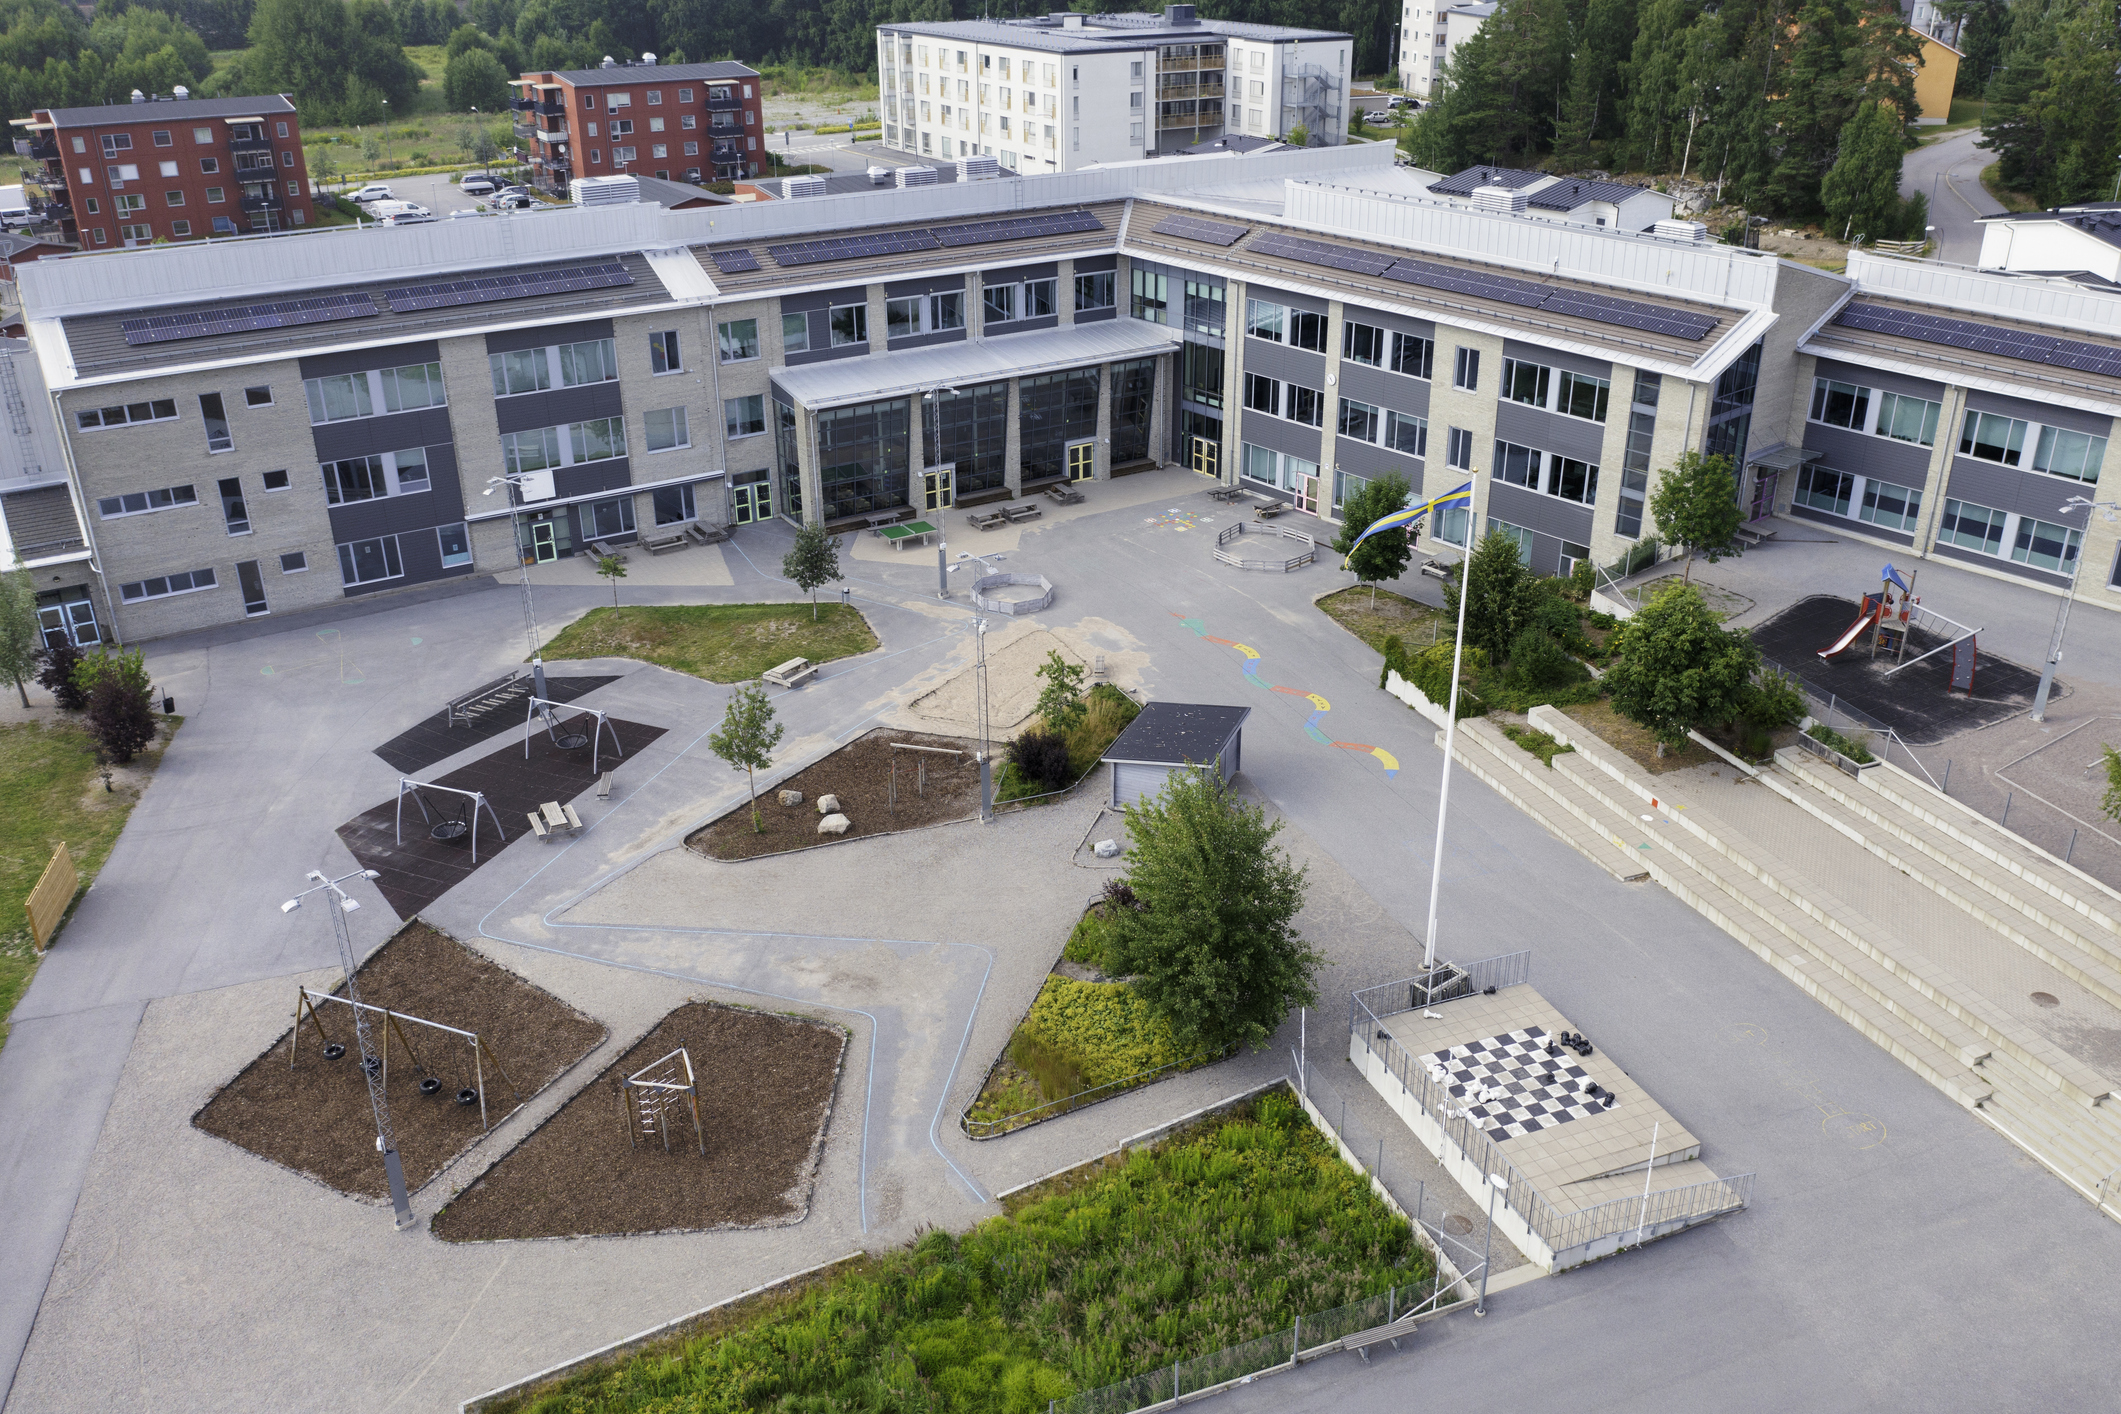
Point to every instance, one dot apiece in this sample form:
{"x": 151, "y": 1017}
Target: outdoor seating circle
{"x": 985, "y": 582}
{"x": 1306, "y": 551}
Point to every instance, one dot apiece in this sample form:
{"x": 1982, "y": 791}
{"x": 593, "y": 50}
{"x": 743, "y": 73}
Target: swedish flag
{"x": 1401, "y": 519}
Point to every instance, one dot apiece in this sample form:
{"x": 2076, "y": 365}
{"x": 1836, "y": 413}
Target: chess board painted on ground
{"x": 1510, "y": 1086}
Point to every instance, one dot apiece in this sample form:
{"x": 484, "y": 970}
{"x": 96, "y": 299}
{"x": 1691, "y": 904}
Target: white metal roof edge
{"x": 931, "y": 271}
{"x": 1966, "y": 378}
{"x": 1969, "y": 293}
{"x": 1027, "y": 355}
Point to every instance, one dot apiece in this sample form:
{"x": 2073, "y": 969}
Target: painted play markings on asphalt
{"x": 350, "y": 674}
{"x": 1319, "y": 705}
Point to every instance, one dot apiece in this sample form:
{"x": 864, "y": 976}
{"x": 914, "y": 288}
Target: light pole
{"x": 371, "y": 1063}
{"x": 1496, "y": 1184}
{"x": 2108, "y": 509}
{"x": 515, "y": 481}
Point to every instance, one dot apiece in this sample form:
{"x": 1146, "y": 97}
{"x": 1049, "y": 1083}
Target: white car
{"x": 476, "y": 186}
{"x": 374, "y": 191}
{"x": 401, "y": 213}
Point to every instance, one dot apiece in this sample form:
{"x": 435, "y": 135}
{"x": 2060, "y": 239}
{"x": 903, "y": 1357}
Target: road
{"x": 1948, "y": 172}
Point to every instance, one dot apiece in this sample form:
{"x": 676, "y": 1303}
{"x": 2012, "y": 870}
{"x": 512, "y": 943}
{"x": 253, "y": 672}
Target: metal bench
{"x": 660, "y": 544}
{"x": 1361, "y": 1341}
{"x": 1018, "y": 514}
{"x": 988, "y": 520}
{"x": 791, "y": 674}
{"x": 501, "y": 692}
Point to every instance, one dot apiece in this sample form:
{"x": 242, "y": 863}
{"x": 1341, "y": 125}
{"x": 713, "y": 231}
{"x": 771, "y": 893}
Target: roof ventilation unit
{"x": 812, "y": 185}
{"x": 1176, "y": 16}
{"x": 1693, "y": 231}
{"x": 604, "y": 191}
{"x": 879, "y": 176}
{"x": 1499, "y": 199}
{"x": 977, "y": 169}
{"x": 180, "y": 93}
{"x": 647, "y": 59}
{"x": 916, "y": 176}
{"x": 609, "y": 63}
{"x": 139, "y": 97}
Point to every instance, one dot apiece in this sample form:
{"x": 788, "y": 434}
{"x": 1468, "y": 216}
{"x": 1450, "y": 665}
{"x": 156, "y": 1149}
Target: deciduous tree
{"x": 1678, "y": 668}
{"x": 746, "y": 739}
{"x": 1384, "y": 555}
{"x": 21, "y": 641}
{"x": 1696, "y": 506}
{"x": 811, "y": 562}
{"x": 1060, "y": 701}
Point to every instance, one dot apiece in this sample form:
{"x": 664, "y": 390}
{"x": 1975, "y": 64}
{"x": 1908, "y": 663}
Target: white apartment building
{"x": 1066, "y": 91}
{"x": 1428, "y": 35}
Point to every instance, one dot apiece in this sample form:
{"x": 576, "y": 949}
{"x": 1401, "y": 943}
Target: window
{"x": 2046, "y": 546}
{"x": 537, "y": 450}
{"x": 1991, "y": 438}
{"x": 684, "y": 95}
{"x": 259, "y": 397}
{"x": 162, "y": 138}
{"x": 159, "y": 410}
{"x": 275, "y": 481}
{"x": 1151, "y": 296}
{"x": 1358, "y": 420}
{"x": 667, "y": 427}
{"x": 1039, "y": 298}
{"x": 161, "y": 587}
{"x": 1515, "y": 534}
{"x": 372, "y": 478}
{"x": 592, "y": 361}
{"x": 2076, "y": 455}
{"x": 1259, "y": 464}
{"x": 1824, "y": 489}
{"x": 180, "y": 228}
{"x": 1458, "y": 449}
{"x": 280, "y": 130}
{"x": 1307, "y": 330}
{"x": 1465, "y": 371}
{"x": 1413, "y": 355}
{"x": 1201, "y": 374}
{"x": 366, "y": 561}
{"x": 850, "y": 324}
{"x": 136, "y": 234}
{"x": 1635, "y": 458}
{"x": 1264, "y": 320}
{"x": 1404, "y": 433}
{"x": 1263, "y": 394}
{"x": 1576, "y": 395}
{"x": 1544, "y": 472}
{"x": 663, "y": 352}
{"x": 1454, "y": 524}
{"x": 598, "y": 439}
{"x": 294, "y": 562}
{"x": 1524, "y": 382}
{"x": 232, "y": 508}
{"x": 202, "y": 136}
{"x": 455, "y": 544}
{"x": 1894, "y": 507}
{"x": 655, "y": 96}
{"x": 134, "y": 503}
{"x": 1362, "y": 343}
{"x": 1971, "y": 527}
{"x": 1095, "y": 291}
{"x": 208, "y": 166}
{"x": 1840, "y": 404}
{"x": 742, "y": 417}
{"x": 998, "y": 303}
{"x": 623, "y": 155}
{"x": 117, "y": 142}
{"x": 417, "y": 385}
{"x": 738, "y": 340}
{"x": 689, "y": 122}
{"x": 1907, "y": 419}
{"x": 619, "y": 100}
{"x": 216, "y": 195}
{"x": 346, "y": 395}
{"x": 795, "y": 333}
{"x": 521, "y": 371}
{"x": 216, "y": 420}
{"x": 924, "y": 314}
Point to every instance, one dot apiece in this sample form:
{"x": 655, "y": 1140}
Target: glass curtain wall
{"x": 1133, "y": 400}
{"x": 974, "y": 434}
{"x": 862, "y": 458}
{"x": 1054, "y": 410}
{"x": 1731, "y": 414}
{"x": 787, "y": 450}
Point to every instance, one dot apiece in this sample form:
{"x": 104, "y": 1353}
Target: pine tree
{"x": 1653, "y": 83}
{"x": 1461, "y": 123}
{"x": 1862, "y": 191}
{"x": 1594, "y": 105}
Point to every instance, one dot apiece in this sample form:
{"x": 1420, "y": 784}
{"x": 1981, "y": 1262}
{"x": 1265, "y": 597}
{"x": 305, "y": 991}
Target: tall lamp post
{"x": 371, "y": 1063}
{"x": 2109, "y": 510}
{"x": 515, "y": 481}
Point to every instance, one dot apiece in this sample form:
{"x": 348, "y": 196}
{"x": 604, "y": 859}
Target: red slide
{"x": 1873, "y": 605}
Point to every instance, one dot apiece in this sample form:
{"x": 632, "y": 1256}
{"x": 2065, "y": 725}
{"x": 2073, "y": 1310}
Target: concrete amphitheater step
{"x": 1528, "y": 783}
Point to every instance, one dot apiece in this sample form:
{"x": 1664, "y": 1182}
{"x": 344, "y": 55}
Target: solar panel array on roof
{"x": 1482, "y": 284}
{"x": 195, "y": 324}
{"x": 852, "y": 247}
{"x": 734, "y": 261}
{"x": 1019, "y": 228}
{"x": 1192, "y": 228}
{"x": 1985, "y": 338}
{"x": 483, "y": 289}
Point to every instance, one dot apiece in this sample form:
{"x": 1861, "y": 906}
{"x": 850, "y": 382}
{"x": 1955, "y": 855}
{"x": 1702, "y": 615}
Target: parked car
{"x": 400, "y": 213}
{"x": 374, "y": 191}
{"x": 513, "y": 201}
{"x": 476, "y": 184}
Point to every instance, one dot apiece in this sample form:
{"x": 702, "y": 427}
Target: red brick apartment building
{"x": 678, "y": 122}
{"x": 169, "y": 168}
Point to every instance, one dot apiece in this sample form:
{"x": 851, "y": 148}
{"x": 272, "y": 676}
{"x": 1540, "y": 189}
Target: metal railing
{"x": 1883, "y": 737}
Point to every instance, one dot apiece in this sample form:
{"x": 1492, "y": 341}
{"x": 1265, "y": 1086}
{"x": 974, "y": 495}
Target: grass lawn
{"x": 1223, "y": 1233}
{"x": 718, "y": 642}
{"x": 1636, "y": 743}
{"x": 48, "y": 777}
{"x": 1415, "y": 623}
{"x": 1992, "y": 182}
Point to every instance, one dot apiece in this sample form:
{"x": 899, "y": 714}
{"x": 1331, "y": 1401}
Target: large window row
{"x": 1570, "y": 394}
{"x": 162, "y": 586}
{"x": 1547, "y": 473}
{"x": 1264, "y": 464}
{"x": 1289, "y": 400}
{"x": 2057, "y": 451}
{"x": 1399, "y": 431}
{"x": 2038, "y": 543}
{"x": 1841, "y": 493}
{"x": 1900, "y": 417}
{"x": 545, "y": 448}
{"x": 374, "y": 477}
{"x": 924, "y": 314}
{"x": 1298, "y": 328}
{"x": 134, "y": 503}
{"x": 530, "y": 370}
{"x": 349, "y": 395}
{"x": 1376, "y": 348}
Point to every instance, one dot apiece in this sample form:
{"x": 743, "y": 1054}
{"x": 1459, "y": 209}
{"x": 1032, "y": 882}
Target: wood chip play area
{"x": 930, "y": 789}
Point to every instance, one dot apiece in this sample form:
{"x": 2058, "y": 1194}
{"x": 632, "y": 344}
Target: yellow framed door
{"x": 938, "y": 490}
{"x": 1082, "y": 461}
{"x": 1208, "y": 457}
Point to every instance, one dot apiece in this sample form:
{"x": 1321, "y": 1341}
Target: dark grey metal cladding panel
{"x": 2010, "y": 567}
{"x": 1289, "y": 365}
{"x": 420, "y": 553}
{"x": 780, "y": 395}
{"x": 1282, "y": 435}
{"x": 366, "y": 436}
{"x": 1365, "y": 460}
{"x": 1382, "y": 389}
{"x": 1021, "y": 326}
{"x": 558, "y": 407}
{"x": 1547, "y": 515}
{"x": 1862, "y": 527}
{"x": 826, "y": 299}
{"x": 546, "y": 335}
{"x": 922, "y": 341}
{"x": 1880, "y": 458}
{"x": 2048, "y": 414}
{"x": 905, "y": 289}
{"x": 1092, "y": 264}
{"x": 2004, "y": 488}
{"x": 362, "y": 360}
{"x": 1544, "y": 557}
{"x": 1093, "y": 316}
{"x": 1556, "y": 358}
{"x": 1550, "y": 431}
{"x": 1293, "y": 301}
{"x": 1877, "y": 378}
{"x": 1388, "y": 319}
{"x": 592, "y": 477}
{"x": 1015, "y": 273}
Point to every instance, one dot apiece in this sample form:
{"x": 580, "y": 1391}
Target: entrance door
{"x": 1764, "y": 494}
{"x": 544, "y": 541}
{"x": 936, "y": 489}
{"x": 71, "y": 618}
{"x": 253, "y": 585}
{"x": 1307, "y": 494}
{"x": 1208, "y": 457}
{"x": 1082, "y": 460}
{"x": 754, "y": 502}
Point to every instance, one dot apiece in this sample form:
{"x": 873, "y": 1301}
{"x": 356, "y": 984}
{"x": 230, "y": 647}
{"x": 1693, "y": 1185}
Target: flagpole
{"x": 1450, "y": 740}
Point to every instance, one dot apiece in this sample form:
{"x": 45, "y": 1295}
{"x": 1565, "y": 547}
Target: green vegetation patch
{"x": 1848, "y": 746}
{"x": 1223, "y": 1233}
{"x": 1538, "y": 743}
{"x": 1107, "y": 711}
{"x": 718, "y": 642}
{"x": 1391, "y": 615}
{"x": 1078, "y": 1037}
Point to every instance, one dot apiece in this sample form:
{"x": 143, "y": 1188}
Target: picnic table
{"x": 1019, "y": 514}
{"x": 1270, "y": 510}
{"x": 1064, "y": 495}
{"x": 1226, "y": 492}
{"x": 898, "y": 535}
{"x": 553, "y": 818}
{"x": 793, "y": 673}
{"x": 987, "y": 520}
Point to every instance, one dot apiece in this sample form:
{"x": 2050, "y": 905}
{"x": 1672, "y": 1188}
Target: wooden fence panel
{"x": 48, "y": 901}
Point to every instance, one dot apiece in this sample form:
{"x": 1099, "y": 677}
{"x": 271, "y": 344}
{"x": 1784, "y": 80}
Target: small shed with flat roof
{"x": 1174, "y": 736}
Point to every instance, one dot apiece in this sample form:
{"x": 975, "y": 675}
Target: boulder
{"x": 791, "y": 797}
{"x": 828, "y": 805}
{"x": 1106, "y": 849}
{"x": 834, "y": 824}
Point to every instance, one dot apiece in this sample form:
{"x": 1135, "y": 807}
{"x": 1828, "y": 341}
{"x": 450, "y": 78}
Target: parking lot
{"x": 437, "y": 192}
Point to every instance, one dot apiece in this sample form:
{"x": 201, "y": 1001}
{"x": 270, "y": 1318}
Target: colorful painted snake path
{"x": 1319, "y": 704}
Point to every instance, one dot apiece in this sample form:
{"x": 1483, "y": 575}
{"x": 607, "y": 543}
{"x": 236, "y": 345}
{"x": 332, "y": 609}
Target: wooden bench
{"x": 791, "y": 674}
{"x": 1064, "y": 495}
{"x": 988, "y": 520}
{"x": 1019, "y": 514}
{"x": 706, "y": 534}
{"x": 601, "y": 548}
{"x": 1270, "y": 510}
{"x": 661, "y": 544}
{"x": 1436, "y": 569}
{"x": 604, "y": 786}
{"x": 1361, "y": 1341}
{"x": 552, "y": 820}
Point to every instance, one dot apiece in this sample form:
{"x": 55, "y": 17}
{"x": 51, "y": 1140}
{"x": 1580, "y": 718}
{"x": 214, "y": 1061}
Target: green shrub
{"x": 1754, "y": 743}
{"x": 1086, "y": 944}
{"x": 1058, "y": 1071}
{"x": 1559, "y": 617}
{"x": 1775, "y": 700}
{"x": 1104, "y": 1026}
{"x": 1601, "y": 620}
{"x": 1538, "y": 743}
{"x": 1850, "y": 747}
{"x": 1582, "y": 580}
{"x": 1432, "y": 674}
{"x": 1537, "y": 661}
{"x": 1041, "y": 756}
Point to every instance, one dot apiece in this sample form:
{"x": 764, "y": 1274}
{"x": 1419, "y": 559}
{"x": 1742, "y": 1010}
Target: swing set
{"x": 394, "y": 1025}
{"x": 541, "y": 707}
{"x": 459, "y": 823}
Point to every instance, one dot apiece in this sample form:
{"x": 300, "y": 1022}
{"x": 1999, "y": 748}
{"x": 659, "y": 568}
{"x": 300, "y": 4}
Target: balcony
{"x": 45, "y": 150}
{"x": 250, "y": 144}
{"x": 522, "y": 131}
{"x": 551, "y": 108}
{"x": 723, "y": 100}
{"x": 261, "y": 198}
{"x": 551, "y": 135}
{"x": 522, "y": 105}
{"x": 727, "y": 150}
